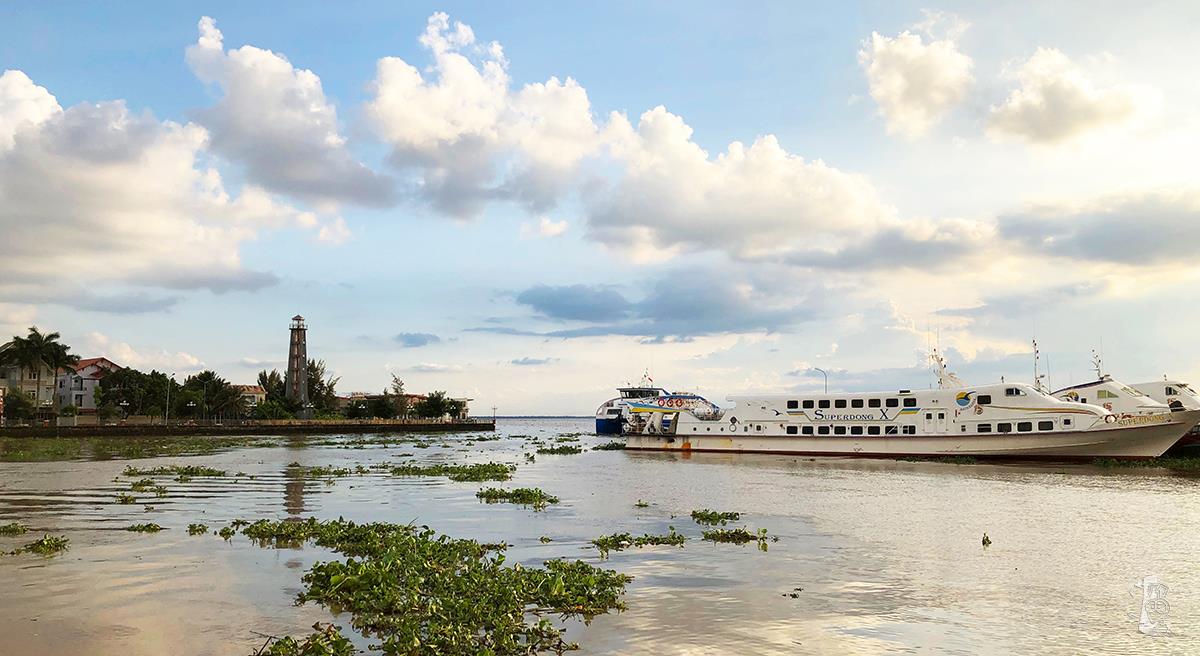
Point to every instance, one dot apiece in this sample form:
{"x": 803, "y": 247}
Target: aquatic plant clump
{"x": 610, "y": 446}
{"x": 564, "y": 450}
{"x": 738, "y": 536}
{"x": 424, "y": 593}
{"x": 125, "y": 499}
{"x": 144, "y": 528}
{"x": 622, "y": 541}
{"x": 713, "y": 518}
{"x": 525, "y": 496}
{"x": 142, "y": 485}
{"x": 491, "y": 471}
{"x": 13, "y": 528}
{"x": 48, "y": 545}
{"x": 197, "y": 529}
{"x": 325, "y": 641}
{"x": 176, "y": 470}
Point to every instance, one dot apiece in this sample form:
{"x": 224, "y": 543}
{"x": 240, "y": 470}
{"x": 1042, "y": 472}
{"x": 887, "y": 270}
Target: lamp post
{"x": 192, "y": 407}
{"x": 826, "y": 375}
{"x": 124, "y": 408}
{"x": 167, "y": 417}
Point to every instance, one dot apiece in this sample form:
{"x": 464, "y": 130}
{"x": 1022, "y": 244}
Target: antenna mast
{"x": 1037, "y": 376}
{"x": 1098, "y": 364}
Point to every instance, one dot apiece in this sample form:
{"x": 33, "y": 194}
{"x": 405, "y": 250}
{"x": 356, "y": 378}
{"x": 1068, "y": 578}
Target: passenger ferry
{"x": 1002, "y": 420}
{"x": 1114, "y": 396}
{"x": 612, "y": 415}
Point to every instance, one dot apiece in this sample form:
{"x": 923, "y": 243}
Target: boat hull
{"x": 1149, "y": 441}
{"x": 608, "y": 426}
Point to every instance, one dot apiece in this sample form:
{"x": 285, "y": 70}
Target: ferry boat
{"x": 612, "y": 415}
{"x": 1010, "y": 420}
{"x": 1175, "y": 393}
{"x": 1114, "y": 396}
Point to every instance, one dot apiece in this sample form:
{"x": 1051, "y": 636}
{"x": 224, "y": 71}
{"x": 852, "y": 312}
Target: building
{"x": 37, "y": 385}
{"x": 295, "y": 381}
{"x": 252, "y": 395}
{"x": 77, "y": 387}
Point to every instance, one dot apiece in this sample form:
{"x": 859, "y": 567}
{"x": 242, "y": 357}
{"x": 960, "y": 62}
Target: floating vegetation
{"x": 525, "y": 496}
{"x": 13, "y": 529}
{"x": 713, "y": 518}
{"x": 142, "y": 485}
{"x": 564, "y": 450}
{"x": 159, "y": 491}
{"x": 326, "y": 471}
{"x": 144, "y": 528}
{"x": 738, "y": 536}
{"x": 197, "y": 529}
{"x": 949, "y": 460}
{"x": 987, "y": 542}
{"x": 610, "y": 446}
{"x": 423, "y": 593}
{"x": 491, "y": 471}
{"x": 641, "y": 504}
{"x": 47, "y": 546}
{"x": 177, "y": 470}
{"x": 545, "y": 539}
{"x": 566, "y": 439}
{"x": 569, "y": 434}
{"x": 1175, "y": 463}
{"x": 622, "y": 541}
{"x": 325, "y": 641}
{"x": 227, "y": 532}
{"x": 530, "y": 458}
{"x": 125, "y": 498}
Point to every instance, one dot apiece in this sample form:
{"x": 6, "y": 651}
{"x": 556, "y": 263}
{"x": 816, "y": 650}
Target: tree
{"x": 273, "y": 384}
{"x": 433, "y": 406}
{"x": 17, "y": 406}
{"x": 399, "y": 398}
{"x": 145, "y": 394}
{"x": 29, "y": 353}
{"x": 321, "y": 390}
{"x": 218, "y": 399}
{"x": 271, "y": 410}
{"x": 382, "y": 406}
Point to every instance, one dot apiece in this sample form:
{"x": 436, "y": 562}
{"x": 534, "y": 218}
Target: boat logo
{"x": 964, "y": 399}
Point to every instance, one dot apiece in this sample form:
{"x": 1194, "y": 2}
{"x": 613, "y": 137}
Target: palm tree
{"x": 29, "y": 353}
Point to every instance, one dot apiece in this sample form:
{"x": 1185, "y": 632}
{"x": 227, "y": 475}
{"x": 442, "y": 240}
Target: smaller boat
{"x": 612, "y": 415}
{"x": 1116, "y": 397}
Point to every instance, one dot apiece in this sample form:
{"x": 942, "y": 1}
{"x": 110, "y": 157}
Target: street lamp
{"x": 167, "y": 418}
{"x": 124, "y": 407}
{"x": 826, "y": 375}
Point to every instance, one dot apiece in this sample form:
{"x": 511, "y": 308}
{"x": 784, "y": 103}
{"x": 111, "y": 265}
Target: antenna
{"x": 1037, "y": 377}
{"x": 1098, "y": 363}
{"x": 945, "y": 378}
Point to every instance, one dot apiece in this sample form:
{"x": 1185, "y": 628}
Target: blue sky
{"x": 780, "y": 187}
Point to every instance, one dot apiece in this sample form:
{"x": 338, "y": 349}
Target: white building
{"x": 78, "y": 387}
{"x": 37, "y": 385}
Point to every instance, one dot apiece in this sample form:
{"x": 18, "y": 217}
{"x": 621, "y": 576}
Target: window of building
{"x": 78, "y": 400}
{"x": 873, "y": 403}
{"x": 793, "y": 405}
{"x": 910, "y": 430}
{"x": 792, "y": 430}
{"x": 891, "y": 430}
{"x": 910, "y": 402}
{"x": 1003, "y": 428}
{"x": 808, "y": 404}
{"x": 823, "y": 403}
{"x": 840, "y": 403}
{"x": 893, "y": 403}
{"x": 983, "y": 428}
{"x": 872, "y": 430}
{"x": 856, "y": 430}
{"x": 839, "y": 430}
{"x": 807, "y": 430}
{"x": 856, "y": 403}
{"x": 1024, "y": 426}
{"x": 984, "y": 399}
{"x": 1045, "y": 425}
{"x": 822, "y": 430}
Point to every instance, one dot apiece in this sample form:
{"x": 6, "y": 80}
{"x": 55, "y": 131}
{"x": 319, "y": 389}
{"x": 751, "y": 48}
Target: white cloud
{"x": 23, "y": 104}
{"x": 471, "y": 137}
{"x": 433, "y": 367}
{"x": 1054, "y": 101}
{"x": 100, "y": 345}
{"x": 15, "y": 319}
{"x": 545, "y": 227}
{"x": 97, "y": 194}
{"x": 275, "y": 119}
{"x": 334, "y": 232}
{"x": 916, "y": 81}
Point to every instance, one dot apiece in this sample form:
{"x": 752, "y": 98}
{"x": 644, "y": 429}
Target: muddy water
{"x": 883, "y": 557}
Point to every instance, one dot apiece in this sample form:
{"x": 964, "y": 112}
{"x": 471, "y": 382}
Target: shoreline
{"x": 309, "y": 428}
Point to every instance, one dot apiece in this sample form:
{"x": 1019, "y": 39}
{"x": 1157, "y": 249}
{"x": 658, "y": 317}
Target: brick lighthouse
{"x": 296, "y": 381}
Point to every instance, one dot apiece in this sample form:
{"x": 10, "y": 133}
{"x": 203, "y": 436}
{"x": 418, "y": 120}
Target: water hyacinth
{"x": 564, "y": 450}
{"x": 144, "y": 528}
{"x": 738, "y": 536}
{"x": 610, "y": 446}
{"x": 524, "y": 496}
{"x": 176, "y": 470}
{"x": 13, "y": 528}
{"x": 197, "y": 529}
{"x": 622, "y": 541}
{"x": 47, "y": 546}
{"x": 491, "y": 471}
{"x": 713, "y": 518}
{"x": 325, "y": 641}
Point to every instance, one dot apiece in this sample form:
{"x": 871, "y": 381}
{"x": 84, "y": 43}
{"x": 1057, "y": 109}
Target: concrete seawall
{"x": 292, "y": 428}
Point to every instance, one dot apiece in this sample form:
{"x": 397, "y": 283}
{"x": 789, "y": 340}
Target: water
{"x": 887, "y": 555}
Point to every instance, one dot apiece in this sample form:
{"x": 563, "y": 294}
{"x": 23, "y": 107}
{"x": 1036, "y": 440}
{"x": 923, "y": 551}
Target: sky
{"x": 530, "y": 205}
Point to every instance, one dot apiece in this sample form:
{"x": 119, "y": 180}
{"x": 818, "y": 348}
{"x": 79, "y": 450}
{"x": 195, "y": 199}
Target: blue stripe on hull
{"x": 608, "y": 426}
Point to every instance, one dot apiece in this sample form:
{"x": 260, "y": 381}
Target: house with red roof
{"x": 77, "y": 386}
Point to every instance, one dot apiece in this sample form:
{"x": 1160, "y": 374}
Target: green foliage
{"x": 399, "y": 398}
{"x": 563, "y": 450}
{"x": 491, "y": 471}
{"x": 197, "y": 529}
{"x": 47, "y": 546}
{"x": 738, "y": 536}
{"x": 142, "y": 485}
{"x": 610, "y": 446}
{"x": 525, "y": 496}
{"x": 218, "y": 399}
{"x": 271, "y": 409}
{"x": 325, "y": 641}
{"x": 421, "y": 593}
{"x": 36, "y": 349}
{"x": 434, "y": 406}
{"x": 125, "y": 499}
{"x": 69, "y": 411}
{"x": 144, "y": 528}
{"x": 322, "y": 392}
{"x": 382, "y": 407}
{"x": 227, "y": 532}
{"x": 274, "y": 385}
{"x": 13, "y": 528}
{"x": 145, "y": 394}
{"x": 712, "y": 517}
{"x": 622, "y": 541}
{"x": 18, "y": 406}
{"x": 174, "y": 470}
{"x": 641, "y": 504}
{"x": 1177, "y": 463}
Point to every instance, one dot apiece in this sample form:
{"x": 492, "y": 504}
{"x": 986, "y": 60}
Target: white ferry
{"x": 612, "y": 415}
{"x": 1175, "y": 393}
{"x": 1114, "y": 396}
{"x": 1000, "y": 420}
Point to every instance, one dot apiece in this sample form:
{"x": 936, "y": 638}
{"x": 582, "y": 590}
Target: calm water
{"x": 887, "y": 554}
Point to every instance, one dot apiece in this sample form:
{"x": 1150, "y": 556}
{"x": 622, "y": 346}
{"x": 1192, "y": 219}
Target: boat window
{"x": 792, "y": 430}
{"x": 822, "y": 430}
{"x": 1083, "y": 399}
{"x": 792, "y": 405}
{"x": 856, "y": 430}
{"x": 1024, "y": 426}
{"x": 910, "y": 430}
{"x": 1003, "y": 428}
{"x": 893, "y": 403}
{"x": 746, "y": 428}
{"x": 910, "y": 402}
{"x": 1171, "y": 390}
{"x": 823, "y": 403}
{"x": 808, "y": 404}
{"x": 941, "y": 415}
{"x": 856, "y": 403}
{"x": 872, "y": 430}
{"x": 890, "y": 430}
{"x": 983, "y": 428}
{"x": 929, "y": 415}
{"x": 873, "y": 403}
{"x": 807, "y": 430}
{"x": 840, "y": 403}
{"x": 1045, "y": 425}
{"x": 1013, "y": 391}
{"x": 839, "y": 430}
{"x": 983, "y": 399}
{"x": 1105, "y": 394}
{"x": 1066, "y": 422}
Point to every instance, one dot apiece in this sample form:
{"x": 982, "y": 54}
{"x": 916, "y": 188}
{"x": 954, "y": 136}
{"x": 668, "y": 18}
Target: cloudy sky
{"x": 532, "y": 206}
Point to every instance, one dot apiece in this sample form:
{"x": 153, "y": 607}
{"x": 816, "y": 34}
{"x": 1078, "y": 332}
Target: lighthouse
{"x": 296, "y": 381}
